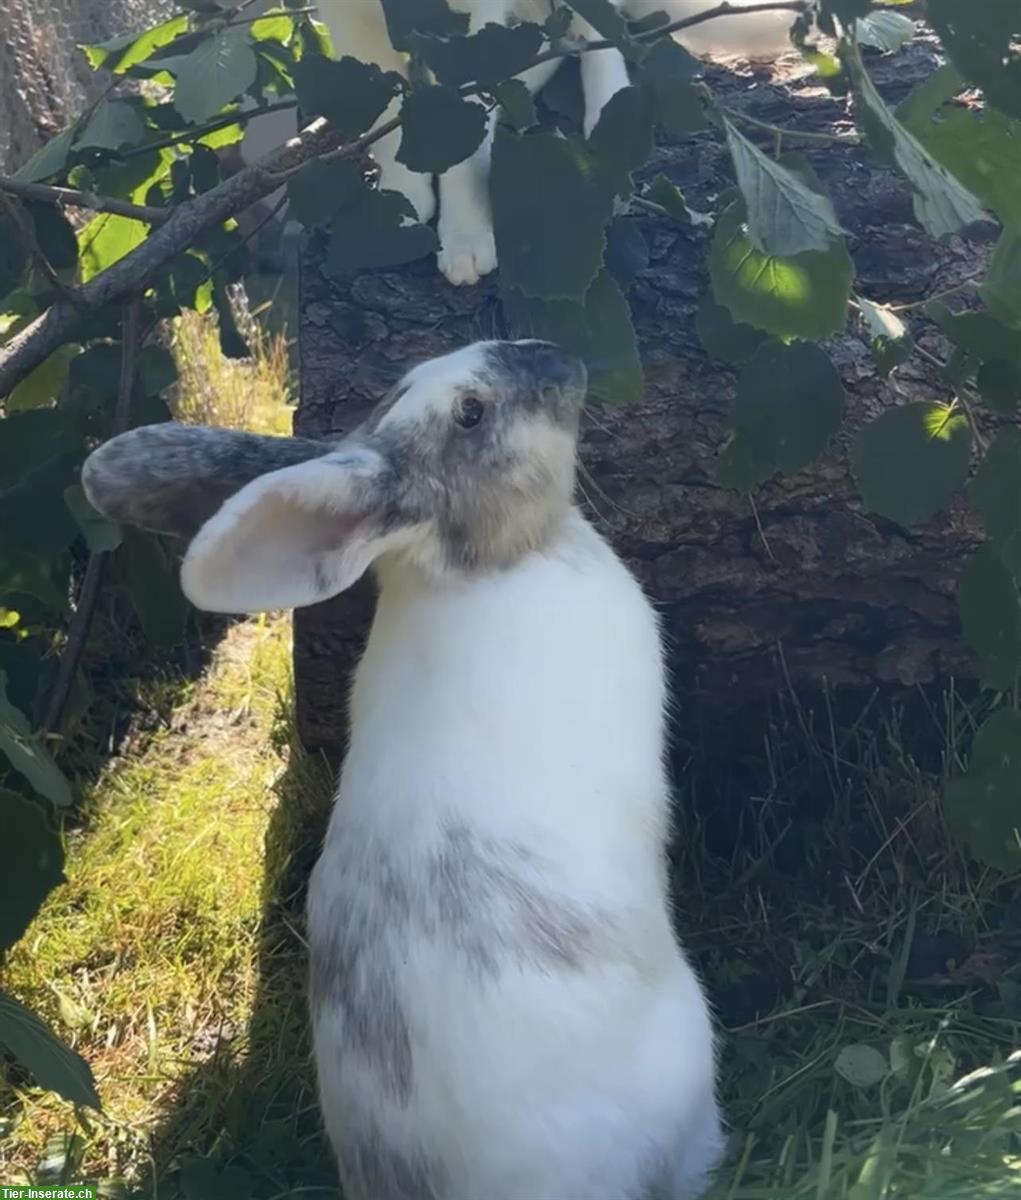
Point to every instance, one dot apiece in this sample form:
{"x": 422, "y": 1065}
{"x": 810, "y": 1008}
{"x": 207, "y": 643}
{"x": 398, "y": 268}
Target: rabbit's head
{"x": 467, "y": 465}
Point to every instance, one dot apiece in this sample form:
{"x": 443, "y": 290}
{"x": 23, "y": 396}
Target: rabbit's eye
{"x": 469, "y": 412}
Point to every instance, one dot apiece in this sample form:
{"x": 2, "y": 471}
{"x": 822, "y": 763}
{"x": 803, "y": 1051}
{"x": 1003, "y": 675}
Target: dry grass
{"x": 252, "y": 393}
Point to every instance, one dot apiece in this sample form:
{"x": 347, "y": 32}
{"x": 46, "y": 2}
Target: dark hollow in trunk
{"x": 801, "y": 588}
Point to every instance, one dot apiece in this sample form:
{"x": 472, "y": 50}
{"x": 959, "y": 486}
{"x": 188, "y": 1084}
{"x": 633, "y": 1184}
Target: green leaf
{"x": 999, "y": 385}
{"x": 43, "y": 385}
{"x": 599, "y": 331}
{"x": 33, "y": 512}
{"x": 439, "y": 129}
{"x": 785, "y": 217}
{"x": 495, "y": 54}
{"x": 978, "y": 334}
{"x": 549, "y": 213}
{"x": 678, "y": 107}
{"x": 891, "y": 341}
{"x": 997, "y": 742}
{"x": 351, "y": 94}
{"x": 886, "y": 31}
{"x": 942, "y": 204}
{"x": 984, "y": 43}
{"x": 114, "y": 124}
{"x": 121, "y": 53}
{"x": 804, "y": 297}
{"x": 862, "y": 1066}
{"x": 157, "y": 369}
{"x": 667, "y": 195}
{"x": 132, "y": 180}
{"x": 27, "y": 755}
{"x": 273, "y": 27}
{"x": 34, "y": 869}
{"x": 99, "y": 533}
{"x": 516, "y": 104}
{"x": 105, "y": 239}
{"x": 627, "y": 252}
{"x": 13, "y": 254}
{"x": 846, "y": 10}
{"x": 978, "y": 145}
{"x": 321, "y": 189}
{"x": 996, "y": 493}
{"x": 55, "y": 235}
{"x": 377, "y": 229}
{"x": 991, "y": 618}
{"x": 622, "y": 137}
{"x": 28, "y": 439}
{"x": 724, "y": 338}
{"x": 405, "y": 17}
{"x": 909, "y": 462}
{"x": 216, "y": 72}
{"x": 153, "y": 587}
{"x": 1001, "y": 288}
{"x": 788, "y": 405}
{"x": 51, "y": 1064}
{"x": 982, "y": 809}
{"x": 51, "y": 159}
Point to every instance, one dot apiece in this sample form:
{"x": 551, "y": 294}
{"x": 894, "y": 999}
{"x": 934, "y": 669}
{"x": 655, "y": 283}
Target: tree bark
{"x": 798, "y": 587}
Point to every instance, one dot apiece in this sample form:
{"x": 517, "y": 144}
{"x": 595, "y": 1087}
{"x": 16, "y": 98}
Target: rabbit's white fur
{"x": 501, "y": 1010}
{"x": 465, "y": 226}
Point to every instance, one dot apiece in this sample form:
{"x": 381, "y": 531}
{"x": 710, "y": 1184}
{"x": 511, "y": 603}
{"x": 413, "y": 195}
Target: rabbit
{"x": 500, "y": 1006}
{"x": 465, "y": 225}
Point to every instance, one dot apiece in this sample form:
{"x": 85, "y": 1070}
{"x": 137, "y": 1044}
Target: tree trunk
{"x": 798, "y": 588}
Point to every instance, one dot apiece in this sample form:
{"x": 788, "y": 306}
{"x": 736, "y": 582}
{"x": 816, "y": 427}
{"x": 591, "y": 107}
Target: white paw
{"x": 417, "y": 188}
{"x": 466, "y": 255}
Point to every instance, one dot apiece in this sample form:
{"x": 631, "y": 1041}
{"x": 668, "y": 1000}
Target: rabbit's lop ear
{"x": 295, "y": 536}
{"x": 171, "y": 478}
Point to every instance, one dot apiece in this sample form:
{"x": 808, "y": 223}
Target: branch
{"x": 88, "y": 595}
{"x": 92, "y": 201}
{"x": 131, "y": 274}
{"x": 27, "y": 349}
{"x": 235, "y": 117}
{"x": 710, "y": 14}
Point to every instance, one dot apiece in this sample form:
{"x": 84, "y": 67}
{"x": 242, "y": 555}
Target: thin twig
{"x": 192, "y": 135}
{"x": 73, "y": 198}
{"x": 781, "y": 131}
{"x": 950, "y": 291}
{"x": 88, "y": 595}
{"x": 650, "y": 35}
{"x": 291, "y": 12}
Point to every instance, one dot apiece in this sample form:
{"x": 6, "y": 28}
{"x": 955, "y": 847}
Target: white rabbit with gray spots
{"x": 465, "y": 224}
{"x": 501, "y": 1010}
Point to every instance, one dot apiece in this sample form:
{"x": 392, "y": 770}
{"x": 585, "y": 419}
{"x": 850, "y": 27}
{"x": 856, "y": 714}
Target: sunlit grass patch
{"x": 147, "y": 958}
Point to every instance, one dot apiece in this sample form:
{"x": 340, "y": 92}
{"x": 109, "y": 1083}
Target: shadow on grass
{"x": 246, "y": 1121}
{"x": 816, "y": 890}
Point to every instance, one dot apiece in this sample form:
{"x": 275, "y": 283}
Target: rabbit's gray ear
{"x": 298, "y": 535}
{"x": 172, "y": 478}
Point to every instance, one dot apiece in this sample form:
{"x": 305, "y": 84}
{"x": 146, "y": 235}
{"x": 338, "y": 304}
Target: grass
{"x": 866, "y": 975}
{"x": 252, "y": 393}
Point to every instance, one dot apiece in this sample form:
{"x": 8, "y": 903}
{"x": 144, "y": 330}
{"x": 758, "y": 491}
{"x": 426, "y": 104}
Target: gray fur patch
{"x": 352, "y": 967}
{"x": 481, "y": 895}
{"x": 372, "y": 1170}
{"x": 172, "y": 478}
{"x": 487, "y": 899}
